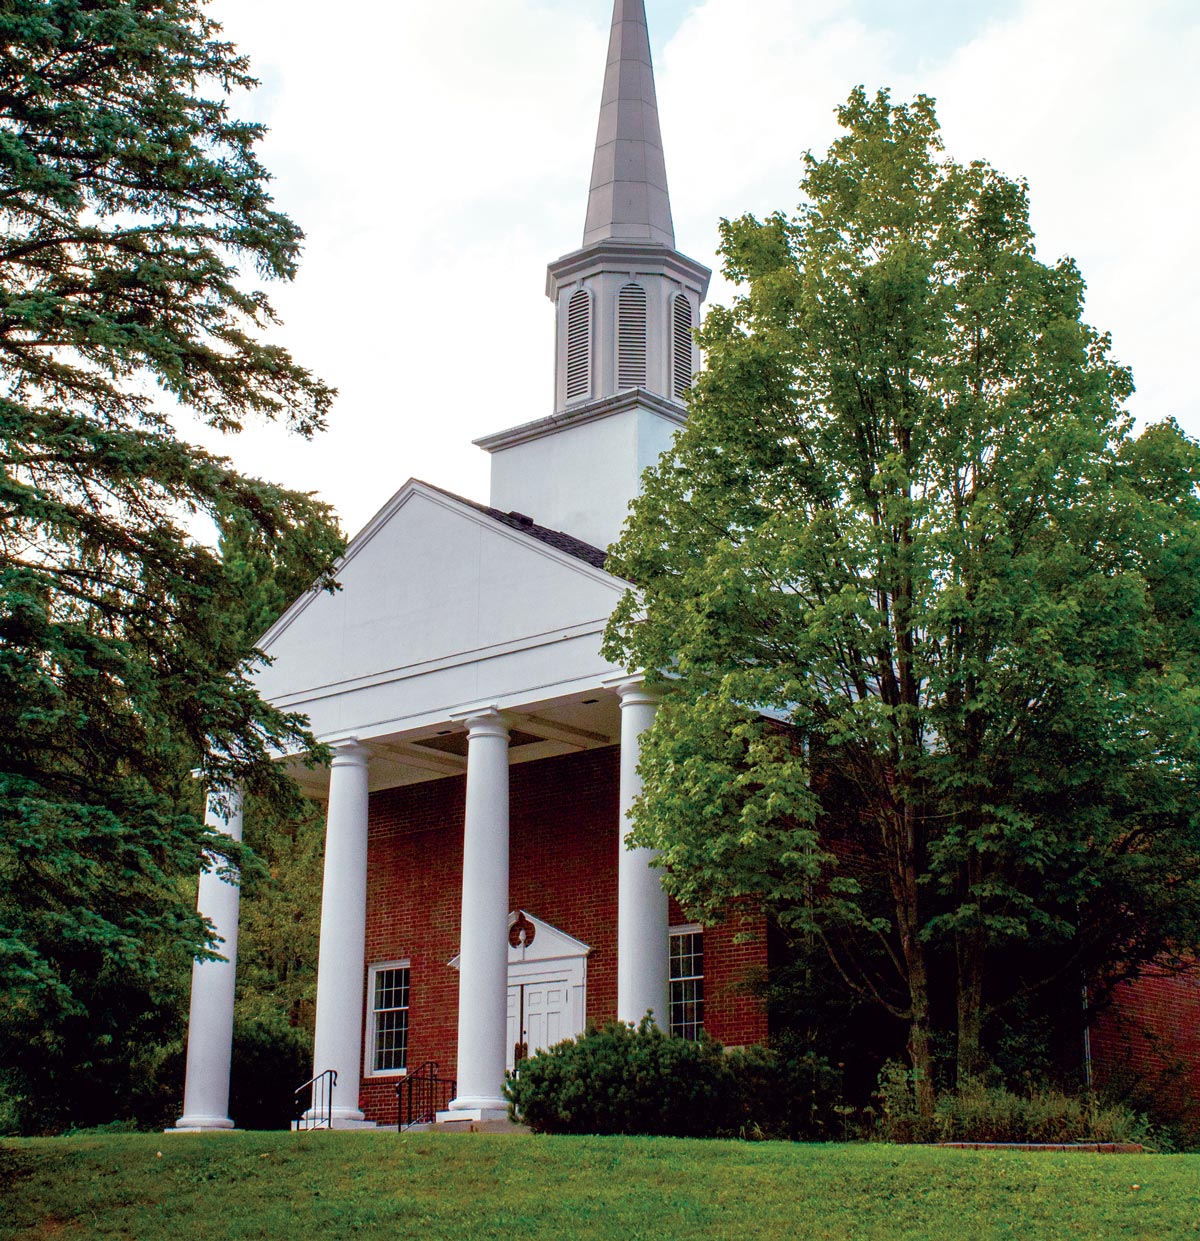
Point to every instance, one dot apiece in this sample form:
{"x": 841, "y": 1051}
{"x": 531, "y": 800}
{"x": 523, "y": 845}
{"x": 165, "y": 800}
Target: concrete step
{"x": 344, "y": 1125}
{"x": 479, "y": 1126}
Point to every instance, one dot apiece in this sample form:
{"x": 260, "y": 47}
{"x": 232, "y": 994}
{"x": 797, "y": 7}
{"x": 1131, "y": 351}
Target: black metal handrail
{"x": 421, "y": 1095}
{"x": 319, "y": 1112}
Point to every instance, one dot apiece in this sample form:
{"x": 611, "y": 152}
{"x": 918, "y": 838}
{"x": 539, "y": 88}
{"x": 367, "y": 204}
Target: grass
{"x": 432, "y": 1186}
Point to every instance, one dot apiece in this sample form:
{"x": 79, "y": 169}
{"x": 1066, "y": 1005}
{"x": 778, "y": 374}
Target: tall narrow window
{"x": 681, "y": 324}
{"x": 579, "y": 345}
{"x": 687, "y": 982}
{"x": 388, "y": 1014}
{"x": 631, "y": 337}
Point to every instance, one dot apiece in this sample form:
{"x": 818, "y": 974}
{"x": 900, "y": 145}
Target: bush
{"x": 618, "y": 1079}
{"x": 10, "y": 1108}
{"x": 982, "y": 1113}
{"x": 898, "y": 1119}
{"x": 790, "y": 1097}
{"x": 1171, "y": 1110}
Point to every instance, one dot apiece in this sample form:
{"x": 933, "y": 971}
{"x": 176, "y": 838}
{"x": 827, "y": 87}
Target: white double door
{"x": 544, "y": 1007}
{"x": 547, "y": 986}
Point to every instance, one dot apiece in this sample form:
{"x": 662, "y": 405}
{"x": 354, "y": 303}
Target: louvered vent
{"x": 631, "y": 337}
{"x": 579, "y": 345}
{"x": 683, "y": 369}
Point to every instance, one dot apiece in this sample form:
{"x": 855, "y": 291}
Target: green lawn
{"x": 435, "y": 1186}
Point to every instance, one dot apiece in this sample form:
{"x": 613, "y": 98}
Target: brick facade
{"x": 1147, "y": 1040}
{"x": 563, "y": 869}
{"x": 565, "y": 837}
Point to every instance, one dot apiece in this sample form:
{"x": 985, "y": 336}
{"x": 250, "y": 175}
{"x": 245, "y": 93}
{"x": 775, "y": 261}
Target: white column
{"x": 483, "y": 957}
{"x": 341, "y": 965}
{"x": 210, "y": 1018}
{"x": 643, "y": 922}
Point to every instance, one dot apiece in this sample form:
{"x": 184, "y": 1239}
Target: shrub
{"x": 618, "y": 1079}
{"x": 270, "y": 1059}
{"x": 790, "y": 1097}
{"x": 10, "y": 1108}
{"x": 898, "y": 1119}
{"x": 1170, "y": 1108}
{"x": 977, "y": 1112}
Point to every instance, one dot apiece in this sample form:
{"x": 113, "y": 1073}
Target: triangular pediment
{"x": 531, "y": 940}
{"x": 432, "y": 579}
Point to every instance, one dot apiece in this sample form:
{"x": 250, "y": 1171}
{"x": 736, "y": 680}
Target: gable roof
{"x": 444, "y": 602}
{"x": 557, "y": 539}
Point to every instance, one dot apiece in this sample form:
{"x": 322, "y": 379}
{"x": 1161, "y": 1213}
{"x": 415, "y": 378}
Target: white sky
{"x": 438, "y": 157}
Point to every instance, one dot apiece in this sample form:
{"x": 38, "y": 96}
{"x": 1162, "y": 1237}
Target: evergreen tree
{"x": 135, "y": 224}
{"x": 930, "y": 611}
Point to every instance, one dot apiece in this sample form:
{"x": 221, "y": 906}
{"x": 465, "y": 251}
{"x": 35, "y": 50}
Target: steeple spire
{"x": 627, "y": 306}
{"x": 629, "y": 199}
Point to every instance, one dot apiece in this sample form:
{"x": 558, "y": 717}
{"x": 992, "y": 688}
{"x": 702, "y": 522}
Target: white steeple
{"x": 629, "y": 199}
{"x": 628, "y": 303}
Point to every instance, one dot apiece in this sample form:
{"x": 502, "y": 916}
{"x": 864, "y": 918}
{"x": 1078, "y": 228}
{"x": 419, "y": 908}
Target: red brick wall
{"x": 564, "y": 848}
{"x": 1149, "y": 1037}
{"x": 733, "y": 1014}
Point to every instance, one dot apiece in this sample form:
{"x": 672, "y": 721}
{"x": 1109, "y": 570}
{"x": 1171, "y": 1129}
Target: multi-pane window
{"x": 389, "y": 1018}
{"x": 687, "y": 982}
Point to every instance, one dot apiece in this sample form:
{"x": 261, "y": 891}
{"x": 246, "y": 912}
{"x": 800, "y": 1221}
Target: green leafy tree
{"x": 135, "y": 226}
{"x": 930, "y": 611}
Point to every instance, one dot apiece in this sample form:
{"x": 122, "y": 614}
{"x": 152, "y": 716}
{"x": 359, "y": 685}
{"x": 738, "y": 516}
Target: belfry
{"x": 627, "y": 306}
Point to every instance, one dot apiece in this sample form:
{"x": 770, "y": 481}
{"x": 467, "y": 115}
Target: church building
{"x": 479, "y": 899}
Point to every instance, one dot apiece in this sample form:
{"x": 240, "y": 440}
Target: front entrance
{"x": 547, "y": 987}
{"x": 539, "y": 1015}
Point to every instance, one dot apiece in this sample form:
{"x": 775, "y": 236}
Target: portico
{"x": 494, "y": 740}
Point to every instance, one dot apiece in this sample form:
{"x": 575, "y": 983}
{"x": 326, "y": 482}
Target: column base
{"x": 202, "y": 1124}
{"x": 471, "y": 1115}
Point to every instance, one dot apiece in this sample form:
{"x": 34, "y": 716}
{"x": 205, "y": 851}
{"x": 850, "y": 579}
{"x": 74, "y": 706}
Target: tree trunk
{"x": 970, "y": 942}
{"x": 969, "y": 952}
{"x": 920, "y": 1042}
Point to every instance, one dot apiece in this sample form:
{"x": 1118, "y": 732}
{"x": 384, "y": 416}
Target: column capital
{"x": 223, "y": 808}
{"x": 349, "y": 753}
{"x": 484, "y": 721}
{"x": 633, "y": 691}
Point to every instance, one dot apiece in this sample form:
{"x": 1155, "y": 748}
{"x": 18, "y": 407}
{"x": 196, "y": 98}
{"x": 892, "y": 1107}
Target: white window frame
{"x": 373, "y": 970}
{"x": 688, "y": 928}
